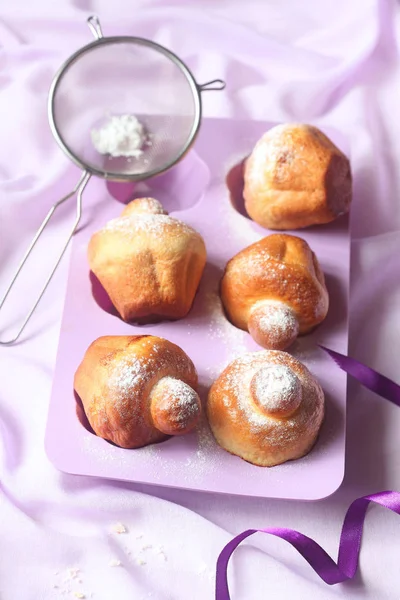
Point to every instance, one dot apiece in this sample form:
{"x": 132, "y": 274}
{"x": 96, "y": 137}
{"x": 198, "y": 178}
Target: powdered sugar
{"x": 129, "y": 373}
{"x": 121, "y": 135}
{"x": 152, "y": 224}
{"x": 182, "y": 404}
{"x": 277, "y": 389}
{"x": 262, "y": 261}
{"x": 203, "y": 455}
{"x": 279, "y": 320}
{"x": 220, "y": 328}
{"x": 276, "y": 322}
{"x": 144, "y": 206}
{"x": 181, "y": 395}
{"x": 272, "y": 153}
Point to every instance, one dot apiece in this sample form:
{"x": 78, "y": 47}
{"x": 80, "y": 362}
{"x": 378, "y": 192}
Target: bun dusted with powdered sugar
{"x": 149, "y": 263}
{"x": 275, "y": 289}
{"x": 137, "y": 390}
{"x": 266, "y": 407}
{"x": 296, "y": 177}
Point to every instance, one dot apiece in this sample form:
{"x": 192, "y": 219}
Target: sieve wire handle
{"x": 95, "y": 27}
{"x": 78, "y": 189}
{"x": 215, "y": 85}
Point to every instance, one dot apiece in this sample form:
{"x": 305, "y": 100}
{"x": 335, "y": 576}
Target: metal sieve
{"x": 113, "y": 77}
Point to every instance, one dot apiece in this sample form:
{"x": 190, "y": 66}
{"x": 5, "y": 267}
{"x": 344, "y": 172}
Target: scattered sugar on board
{"x": 236, "y": 227}
{"x": 122, "y": 135}
{"x": 198, "y": 463}
{"x": 100, "y": 452}
{"x": 303, "y": 353}
{"x": 220, "y": 328}
{"x": 206, "y": 458}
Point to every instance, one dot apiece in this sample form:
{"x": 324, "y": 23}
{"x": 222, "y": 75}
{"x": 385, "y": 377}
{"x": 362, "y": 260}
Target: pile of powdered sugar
{"x": 179, "y": 391}
{"x": 183, "y": 400}
{"x": 277, "y": 321}
{"x": 122, "y": 135}
{"x": 277, "y": 387}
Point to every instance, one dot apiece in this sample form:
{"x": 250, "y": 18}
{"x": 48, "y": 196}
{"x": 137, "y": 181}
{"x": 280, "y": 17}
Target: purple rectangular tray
{"x": 196, "y": 192}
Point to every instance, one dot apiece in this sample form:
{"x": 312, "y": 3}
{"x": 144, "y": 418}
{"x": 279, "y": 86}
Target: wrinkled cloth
{"x": 334, "y": 64}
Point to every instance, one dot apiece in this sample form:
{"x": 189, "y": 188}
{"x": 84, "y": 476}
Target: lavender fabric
{"x": 334, "y": 64}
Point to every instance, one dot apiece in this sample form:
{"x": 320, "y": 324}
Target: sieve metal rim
{"x": 195, "y": 88}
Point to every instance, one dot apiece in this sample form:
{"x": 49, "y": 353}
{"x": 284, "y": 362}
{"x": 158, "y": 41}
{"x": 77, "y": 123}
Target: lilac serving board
{"x": 196, "y": 192}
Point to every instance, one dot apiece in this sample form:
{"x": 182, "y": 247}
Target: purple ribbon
{"x": 372, "y": 380}
{"x": 350, "y": 537}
